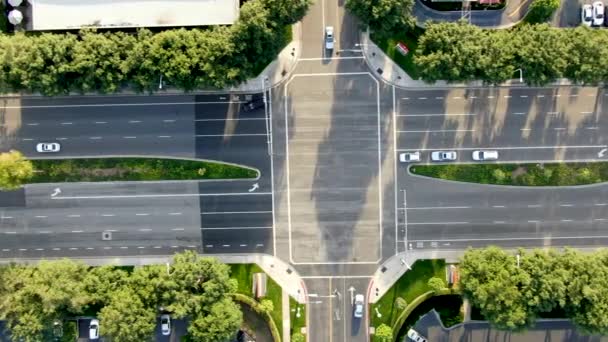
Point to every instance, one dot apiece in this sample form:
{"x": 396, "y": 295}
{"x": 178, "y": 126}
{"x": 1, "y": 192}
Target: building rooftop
{"x": 75, "y": 14}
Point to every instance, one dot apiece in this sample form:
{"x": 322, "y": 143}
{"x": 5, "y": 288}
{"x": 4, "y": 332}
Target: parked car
{"x": 359, "y": 304}
{"x": 587, "y": 15}
{"x": 598, "y": 13}
{"x": 253, "y": 104}
{"x": 409, "y": 157}
{"x": 94, "y": 329}
{"x": 329, "y": 37}
{"x": 48, "y": 147}
{"x": 485, "y": 155}
{"x": 443, "y": 156}
{"x": 165, "y": 324}
{"x": 413, "y": 335}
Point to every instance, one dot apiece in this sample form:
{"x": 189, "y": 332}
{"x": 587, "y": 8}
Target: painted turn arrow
{"x": 254, "y": 187}
{"x": 601, "y": 153}
{"x": 56, "y": 192}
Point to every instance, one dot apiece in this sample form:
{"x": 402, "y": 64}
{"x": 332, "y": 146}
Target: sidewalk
{"x": 393, "y": 74}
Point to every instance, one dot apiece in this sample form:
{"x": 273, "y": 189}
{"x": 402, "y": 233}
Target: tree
{"x": 286, "y": 12}
{"x": 15, "y": 170}
{"x": 127, "y": 318}
{"x": 298, "y": 337}
{"x": 220, "y": 323}
{"x": 547, "y": 289}
{"x": 491, "y": 279}
{"x": 383, "y": 333}
{"x": 383, "y": 16}
{"x": 101, "y": 282}
{"x": 266, "y": 306}
{"x": 541, "y": 10}
{"x": 437, "y": 284}
{"x": 588, "y": 59}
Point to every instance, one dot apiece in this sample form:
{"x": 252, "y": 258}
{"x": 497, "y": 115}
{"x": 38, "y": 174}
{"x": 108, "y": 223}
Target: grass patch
{"x": 411, "y": 285}
{"x": 410, "y": 38}
{"x": 132, "y": 169}
{"x": 449, "y": 309}
{"x": 243, "y": 274}
{"x": 558, "y": 174}
{"x": 297, "y": 323}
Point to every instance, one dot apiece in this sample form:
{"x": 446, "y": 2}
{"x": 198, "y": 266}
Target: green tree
{"x": 437, "y": 284}
{"x": 383, "y": 333}
{"x": 286, "y": 12}
{"x": 491, "y": 279}
{"x": 266, "y": 306}
{"x": 547, "y": 288}
{"x": 15, "y": 170}
{"x": 298, "y": 337}
{"x": 219, "y": 323}
{"x": 541, "y": 10}
{"x": 101, "y": 282}
{"x": 126, "y": 317}
{"x": 383, "y": 16}
{"x": 588, "y": 59}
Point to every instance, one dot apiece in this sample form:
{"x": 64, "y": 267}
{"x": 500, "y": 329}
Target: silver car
{"x": 329, "y": 37}
{"x": 165, "y": 325}
{"x": 444, "y": 155}
{"x": 359, "y": 304}
{"x": 409, "y": 157}
{"x": 485, "y": 155}
{"x": 48, "y": 147}
{"x": 413, "y": 335}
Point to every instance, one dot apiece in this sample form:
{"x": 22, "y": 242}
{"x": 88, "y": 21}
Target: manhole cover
{"x": 106, "y": 236}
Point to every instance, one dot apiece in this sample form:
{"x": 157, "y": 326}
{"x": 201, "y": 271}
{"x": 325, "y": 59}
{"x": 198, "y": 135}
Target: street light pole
{"x": 160, "y": 82}
{"x": 521, "y": 75}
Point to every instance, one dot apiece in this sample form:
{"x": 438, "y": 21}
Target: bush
{"x": 384, "y": 333}
{"x": 437, "y": 284}
{"x": 298, "y": 337}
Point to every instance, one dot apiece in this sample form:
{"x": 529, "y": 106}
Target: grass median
{"x": 410, "y": 39}
{"x": 132, "y": 169}
{"x": 555, "y": 174}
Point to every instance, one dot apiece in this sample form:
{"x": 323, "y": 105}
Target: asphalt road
{"x": 141, "y": 218}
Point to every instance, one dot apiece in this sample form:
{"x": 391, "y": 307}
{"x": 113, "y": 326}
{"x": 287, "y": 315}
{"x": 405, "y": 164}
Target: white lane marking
{"x": 77, "y": 231}
{"x": 89, "y": 248}
{"x": 66, "y": 123}
{"x": 39, "y": 249}
{"x": 243, "y": 245}
{"x": 586, "y": 112}
{"x": 230, "y": 135}
{"x": 472, "y": 97}
{"x": 161, "y": 195}
{"x": 573, "y": 95}
{"x": 431, "y": 208}
{"x": 112, "y": 230}
{"x": 405, "y": 98}
{"x": 124, "y": 247}
{"x": 168, "y": 120}
{"x": 499, "y": 222}
{"x": 100, "y": 122}
{"x": 108, "y": 215}
{"x": 5, "y": 250}
{"x": 107, "y": 248}
{"x": 599, "y": 219}
{"x": 329, "y": 58}
{"x": 62, "y": 138}
{"x": 498, "y": 206}
{"x": 526, "y": 129}
{"x": 73, "y": 248}
{"x": 533, "y": 221}
{"x": 174, "y": 246}
{"x": 438, "y": 97}
{"x": 523, "y": 238}
{"x": 149, "y": 104}
{"x": 174, "y": 214}
{"x": 56, "y": 249}
{"x": 438, "y": 131}
{"x": 10, "y": 233}
{"x": 433, "y": 223}
{"x": 231, "y": 119}
{"x": 164, "y": 136}
{"x": 556, "y": 95}
{"x": 456, "y": 97}
{"x": 560, "y": 128}
{"x": 540, "y": 95}
{"x": 22, "y": 249}
{"x": 27, "y": 139}
{"x": 507, "y": 96}
{"x": 566, "y": 220}
{"x": 259, "y": 245}
{"x": 552, "y": 113}
{"x": 446, "y": 114}
{"x": 490, "y": 97}
{"x": 6, "y": 217}
{"x": 134, "y": 121}
{"x": 505, "y": 148}
{"x": 519, "y": 113}
{"x": 533, "y": 205}
{"x": 234, "y": 212}
{"x": 33, "y": 124}
{"x": 225, "y": 245}
{"x": 144, "y": 229}
{"x": 44, "y": 232}
{"x": 523, "y": 96}
{"x": 601, "y": 204}
{"x": 422, "y": 98}
{"x": 95, "y": 138}
{"x": 130, "y": 137}
{"x": 209, "y": 246}
{"x": 73, "y": 215}
{"x": 592, "y": 127}
{"x": 40, "y": 216}
{"x": 140, "y": 247}
{"x": 566, "y": 205}
{"x": 142, "y": 214}
{"x": 177, "y": 229}
{"x": 235, "y": 228}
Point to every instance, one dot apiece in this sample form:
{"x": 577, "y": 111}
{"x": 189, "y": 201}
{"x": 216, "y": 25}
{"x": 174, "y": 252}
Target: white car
{"x": 165, "y": 324}
{"x": 598, "y": 13}
{"x": 359, "y": 303}
{"x": 409, "y": 157}
{"x": 485, "y": 155}
{"x": 329, "y": 37}
{"x": 48, "y": 147}
{"x": 443, "y": 155}
{"x": 587, "y": 15}
{"x": 413, "y": 335}
{"x": 94, "y": 329}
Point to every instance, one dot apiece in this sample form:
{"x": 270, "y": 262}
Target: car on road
{"x": 254, "y": 104}
{"x": 94, "y": 329}
{"x": 165, "y": 324}
{"x": 598, "y": 13}
{"x": 48, "y": 147}
{"x": 413, "y": 335}
{"x": 329, "y": 37}
{"x": 359, "y": 304}
{"x": 409, "y": 157}
{"x": 485, "y": 155}
{"x": 443, "y": 155}
{"x": 587, "y": 15}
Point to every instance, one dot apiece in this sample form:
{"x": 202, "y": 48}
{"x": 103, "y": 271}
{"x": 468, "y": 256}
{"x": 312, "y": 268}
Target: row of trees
{"x": 512, "y": 293}
{"x": 460, "y": 52}
{"x": 127, "y": 302}
{"x": 384, "y": 17}
{"x": 217, "y": 57}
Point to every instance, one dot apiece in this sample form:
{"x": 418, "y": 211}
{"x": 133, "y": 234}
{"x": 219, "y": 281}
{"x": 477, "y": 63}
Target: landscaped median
{"x": 132, "y": 169}
{"x": 556, "y": 174}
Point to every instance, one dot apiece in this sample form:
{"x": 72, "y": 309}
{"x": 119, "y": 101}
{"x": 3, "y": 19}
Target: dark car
{"x": 253, "y": 105}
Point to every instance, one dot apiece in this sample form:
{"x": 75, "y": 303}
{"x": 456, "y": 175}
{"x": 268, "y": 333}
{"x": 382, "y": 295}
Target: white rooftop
{"x": 74, "y": 14}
